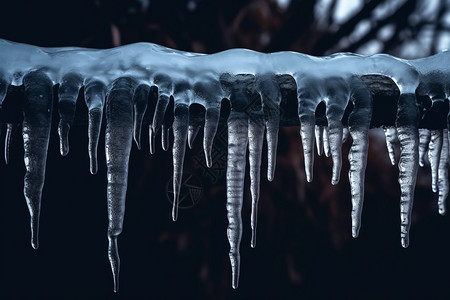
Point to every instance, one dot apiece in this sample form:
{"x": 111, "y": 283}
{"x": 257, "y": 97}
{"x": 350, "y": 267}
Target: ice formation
{"x": 119, "y": 80}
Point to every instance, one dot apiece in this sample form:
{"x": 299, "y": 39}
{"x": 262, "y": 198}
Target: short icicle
{"x": 237, "y": 149}
{"x": 9, "y": 130}
{"x": 94, "y": 96}
{"x": 118, "y": 141}
{"x": 140, "y": 100}
{"x": 391, "y": 138}
{"x": 424, "y": 141}
{"x": 434, "y": 156}
{"x": 37, "y": 120}
{"x": 180, "y": 132}
{"x": 68, "y": 94}
{"x": 443, "y": 185}
{"x": 212, "y": 115}
{"x": 408, "y": 135}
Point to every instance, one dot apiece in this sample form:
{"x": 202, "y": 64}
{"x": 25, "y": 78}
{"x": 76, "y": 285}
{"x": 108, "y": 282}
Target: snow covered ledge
{"x": 264, "y": 91}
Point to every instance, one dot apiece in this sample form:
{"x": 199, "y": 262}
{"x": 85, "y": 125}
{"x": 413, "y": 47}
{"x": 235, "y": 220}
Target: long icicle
{"x": 140, "y": 100}
{"x": 118, "y": 140}
{"x": 359, "y": 123}
{"x": 424, "y": 141}
{"x": 443, "y": 185}
{"x": 255, "y": 145}
{"x": 434, "y": 156}
{"x": 237, "y": 148}
{"x": 37, "y": 120}
{"x": 94, "y": 96}
{"x": 68, "y": 94}
{"x": 180, "y": 132}
{"x": 408, "y": 135}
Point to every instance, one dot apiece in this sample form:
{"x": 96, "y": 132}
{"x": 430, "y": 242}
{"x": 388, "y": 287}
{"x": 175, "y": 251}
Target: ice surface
{"x": 124, "y": 75}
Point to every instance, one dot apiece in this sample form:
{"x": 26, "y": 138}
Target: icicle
{"x": 408, "y": 135}
{"x": 319, "y": 139}
{"x": 180, "y": 132}
{"x": 9, "y": 130}
{"x": 345, "y": 134}
{"x": 160, "y": 111}
{"x": 3, "y": 89}
{"x": 37, "y": 120}
{"x": 335, "y": 137}
{"x": 212, "y": 115}
{"x": 424, "y": 141}
{"x": 326, "y": 141}
{"x": 255, "y": 144}
{"x": 391, "y": 138}
{"x": 68, "y": 94}
{"x": 94, "y": 95}
{"x": 359, "y": 123}
{"x": 443, "y": 185}
{"x": 118, "y": 140}
{"x": 192, "y": 134}
{"x": 151, "y": 139}
{"x": 272, "y": 127}
{"x": 434, "y": 155}
{"x": 165, "y": 137}
{"x": 140, "y": 100}
{"x": 237, "y": 148}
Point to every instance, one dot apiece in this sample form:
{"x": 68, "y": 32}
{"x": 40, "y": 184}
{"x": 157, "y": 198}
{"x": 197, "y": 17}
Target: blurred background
{"x": 304, "y": 245}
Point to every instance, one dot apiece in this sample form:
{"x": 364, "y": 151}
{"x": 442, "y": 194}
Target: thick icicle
{"x": 180, "y": 132}
{"x": 434, "y": 155}
{"x": 443, "y": 185}
{"x": 319, "y": 139}
{"x": 37, "y": 120}
{"x": 359, "y": 122}
{"x": 255, "y": 145}
{"x": 118, "y": 140}
{"x": 391, "y": 138}
{"x": 424, "y": 141}
{"x": 94, "y": 96}
{"x": 408, "y": 135}
{"x": 212, "y": 115}
{"x": 237, "y": 149}
{"x": 9, "y": 130}
{"x": 140, "y": 100}
{"x": 3, "y": 89}
{"x": 345, "y": 134}
{"x": 68, "y": 94}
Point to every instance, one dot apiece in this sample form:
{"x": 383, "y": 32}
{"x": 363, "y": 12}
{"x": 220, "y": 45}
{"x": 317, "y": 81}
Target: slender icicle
{"x": 335, "y": 138}
{"x": 391, "y": 138}
{"x": 255, "y": 145}
{"x": 237, "y": 148}
{"x": 140, "y": 100}
{"x": 359, "y": 123}
{"x": 118, "y": 140}
{"x": 180, "y": 132}
{"x": 434, "y": 155}
{"x": 408, "y": 135}
{"x": 9, "y": 130}
{"x": 212, "y": 115}
{"x": 3, "y": 90}
{"x": 160, "y": 111}
{"x": 424, "y": 141}
{"x": 68, "y": 94}
{"x": 319, "y": 139}
{"x": 326, "y": 142}
{"x": 94, "y": 95}
{"x": 192, "y": 134}
{"x": 272, "y": 127}
{"x": 151, "y": 139}
{"x": 37, "y": 120}
{"x": 443, "y": 185}
{"x": 165, "y": 137}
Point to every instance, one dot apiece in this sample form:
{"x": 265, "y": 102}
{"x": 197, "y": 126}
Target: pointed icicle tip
{"x": 9, "y": 130}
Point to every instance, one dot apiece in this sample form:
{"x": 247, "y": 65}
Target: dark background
{"x": 304, "y": 248}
